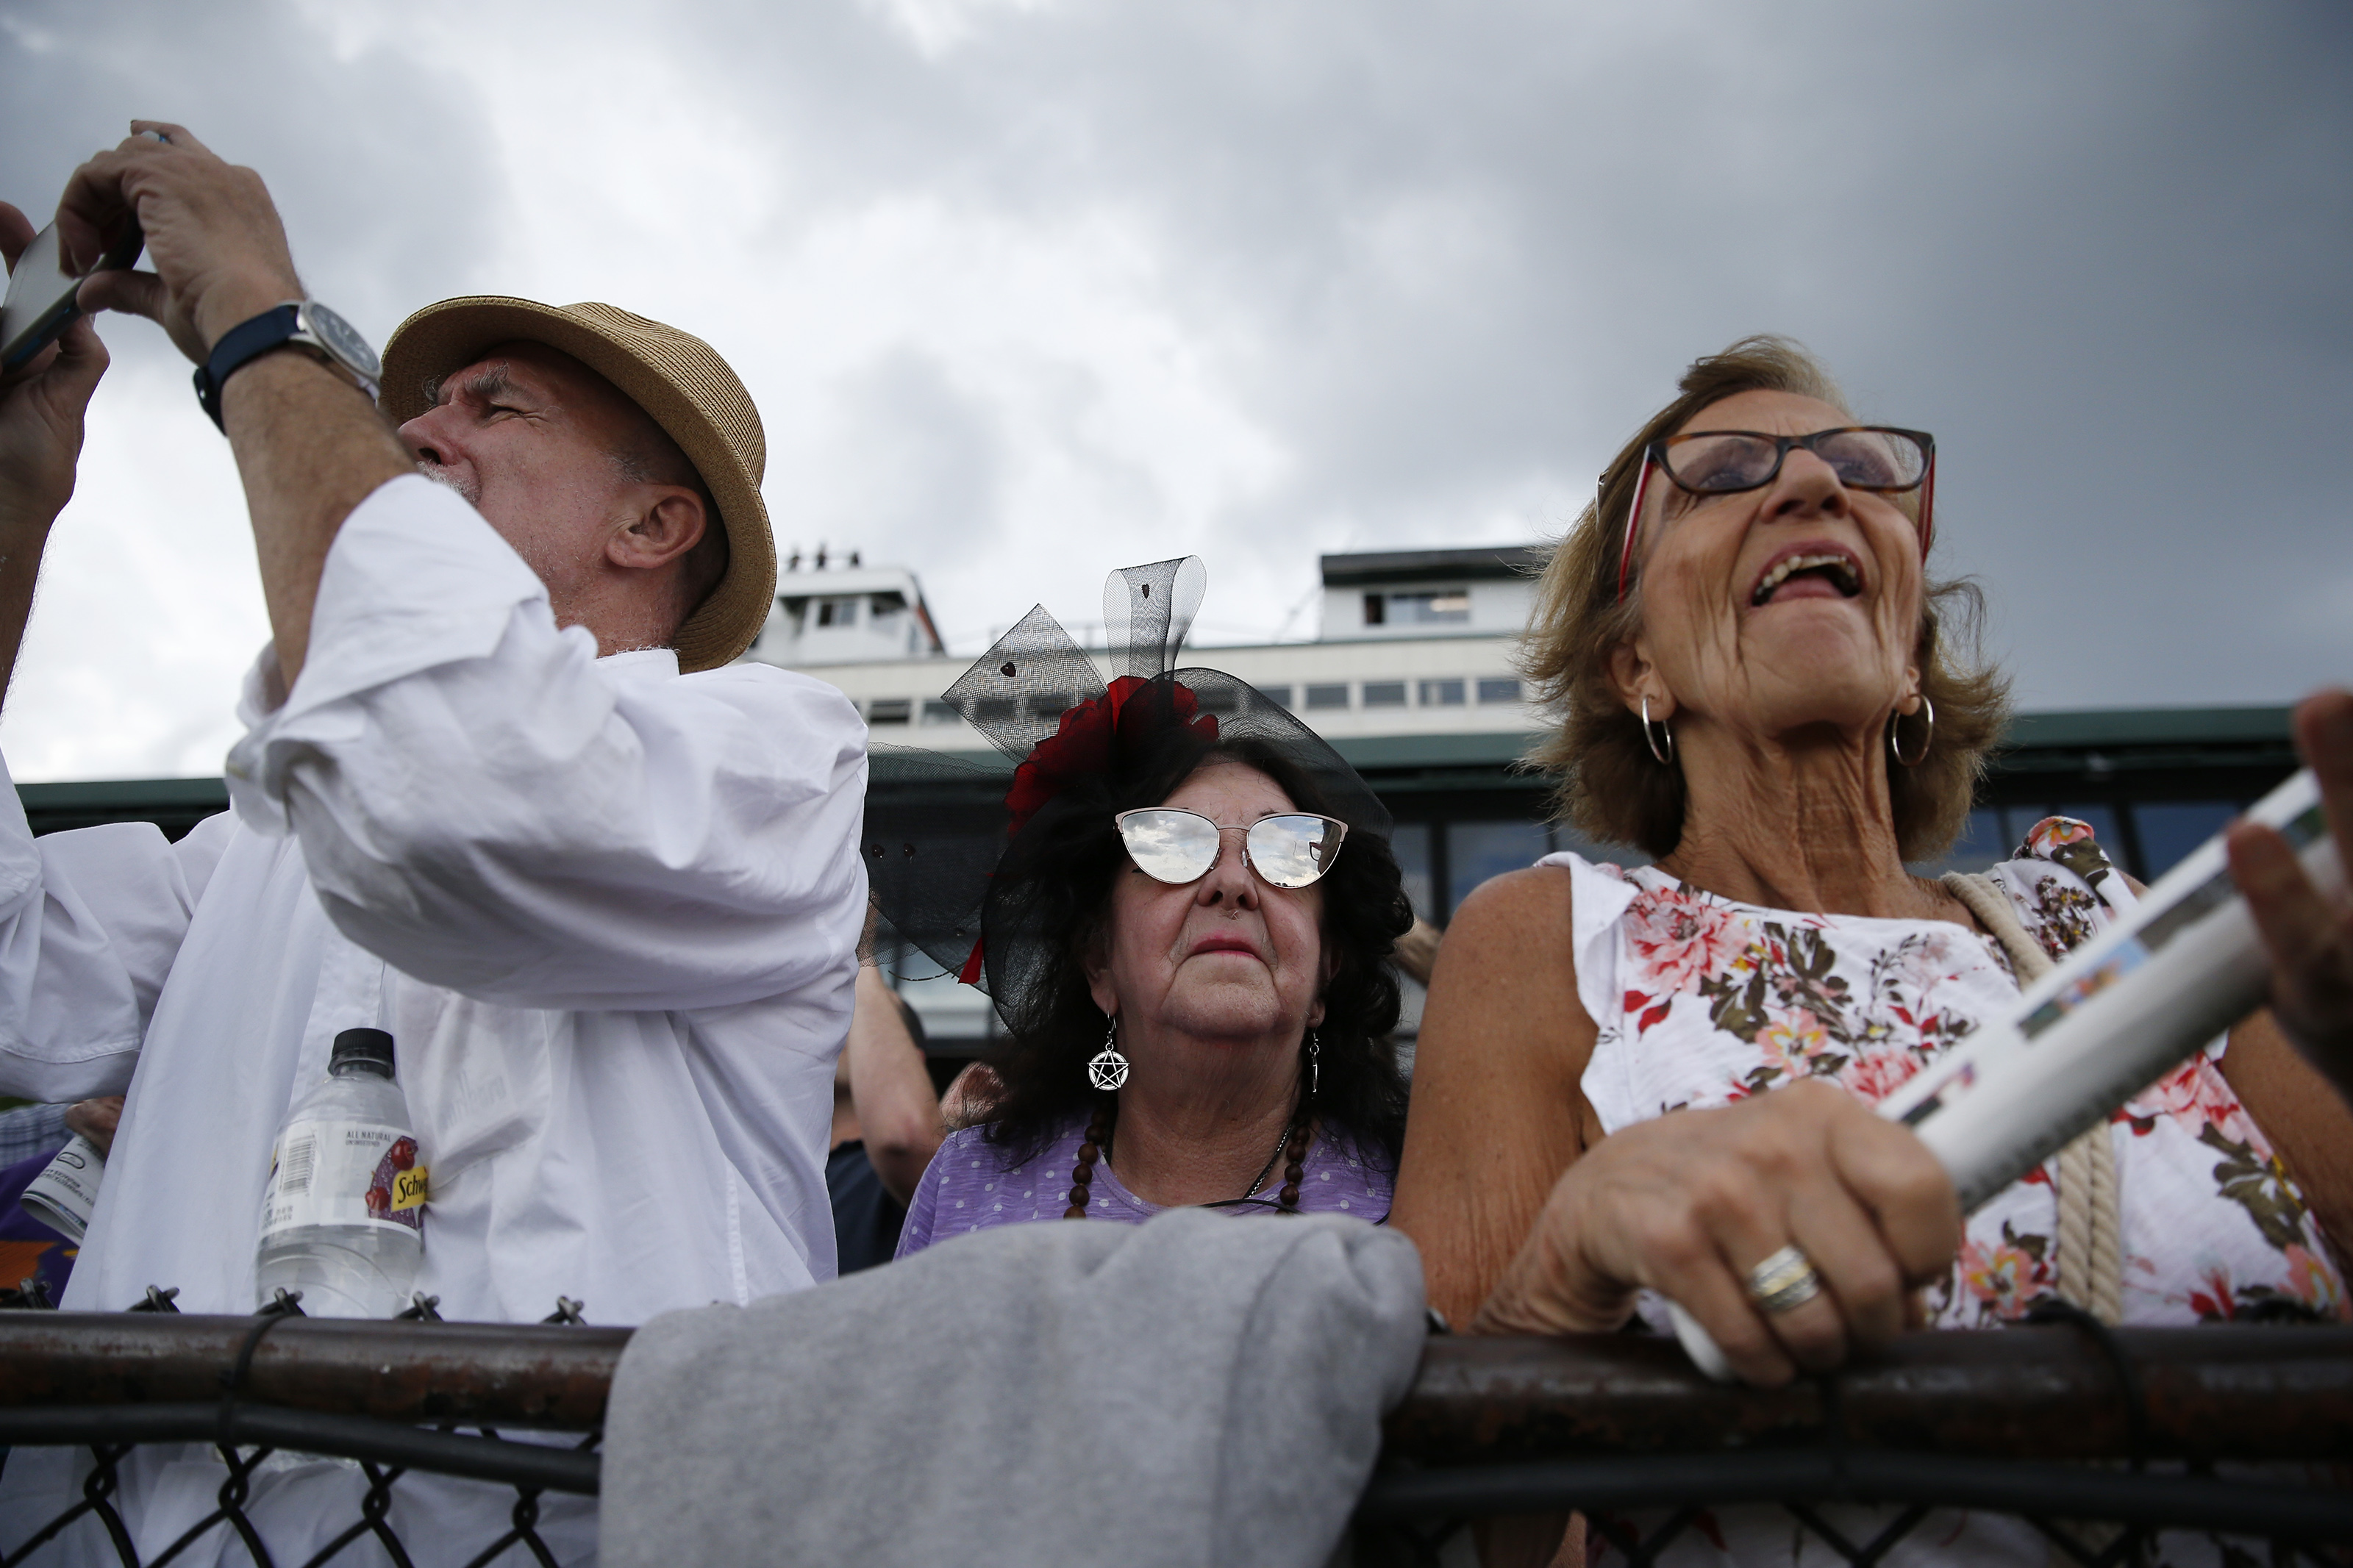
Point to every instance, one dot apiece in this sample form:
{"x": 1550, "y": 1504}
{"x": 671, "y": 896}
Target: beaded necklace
{"x": 1295, "y": 1138}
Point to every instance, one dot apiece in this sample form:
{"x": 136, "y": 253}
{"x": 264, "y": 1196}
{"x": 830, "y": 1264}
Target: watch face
{"x": 341, "y": 339}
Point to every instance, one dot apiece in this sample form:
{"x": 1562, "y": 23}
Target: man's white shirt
{"x": 610, "y": 914}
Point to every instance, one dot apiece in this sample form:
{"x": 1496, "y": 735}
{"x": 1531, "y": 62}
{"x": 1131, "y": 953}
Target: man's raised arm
{"x": 309, "y": 445}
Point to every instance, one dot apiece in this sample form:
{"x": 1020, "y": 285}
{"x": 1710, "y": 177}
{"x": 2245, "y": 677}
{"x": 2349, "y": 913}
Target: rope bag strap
{"x": 2091, "y": 1219}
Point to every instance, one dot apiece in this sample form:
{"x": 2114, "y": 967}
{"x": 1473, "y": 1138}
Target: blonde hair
{"x": 1611, "y": 788}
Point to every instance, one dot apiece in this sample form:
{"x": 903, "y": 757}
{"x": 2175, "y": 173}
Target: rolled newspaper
{"x": 65, "y": 1192}
{"x": 2169, "y": 974}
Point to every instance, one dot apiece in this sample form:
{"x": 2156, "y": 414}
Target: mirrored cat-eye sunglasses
{"x": 1288, "y": 849}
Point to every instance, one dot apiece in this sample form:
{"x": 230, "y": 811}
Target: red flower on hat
{"x": 1083, "y": 743}
{"x": 1079, "y": 745}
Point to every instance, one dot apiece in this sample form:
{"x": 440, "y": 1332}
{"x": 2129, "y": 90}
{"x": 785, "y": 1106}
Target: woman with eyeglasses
{"x": 1187, "y": 938}
{"x": 1657, "y": 1081}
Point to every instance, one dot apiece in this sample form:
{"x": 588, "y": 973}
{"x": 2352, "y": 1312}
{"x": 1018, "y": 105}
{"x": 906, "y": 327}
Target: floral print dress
{"x": 1702, "y": 1002}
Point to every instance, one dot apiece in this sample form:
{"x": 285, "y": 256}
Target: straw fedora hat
{"x": 674, "y": 377}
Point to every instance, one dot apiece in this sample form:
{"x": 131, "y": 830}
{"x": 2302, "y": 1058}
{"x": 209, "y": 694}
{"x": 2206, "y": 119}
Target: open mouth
{"x": 1808, "y": 574}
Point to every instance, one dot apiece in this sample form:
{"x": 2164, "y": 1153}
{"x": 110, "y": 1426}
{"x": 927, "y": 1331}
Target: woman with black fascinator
{"x": 1184, "y": 915}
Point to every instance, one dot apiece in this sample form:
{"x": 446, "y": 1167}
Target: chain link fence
{"x": 2227, "y": 1445}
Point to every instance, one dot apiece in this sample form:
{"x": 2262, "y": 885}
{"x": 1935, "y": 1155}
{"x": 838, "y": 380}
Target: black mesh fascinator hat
{"x": 979, "y": 871}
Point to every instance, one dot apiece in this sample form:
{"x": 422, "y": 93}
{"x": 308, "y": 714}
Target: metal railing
{"x": 2098, "y": 1440}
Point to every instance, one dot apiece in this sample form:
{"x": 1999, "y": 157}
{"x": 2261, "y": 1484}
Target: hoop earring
{"x": 1314, "y": 1067}
{"x": 1107, "y": 1069}
{"x": 1667, "y": 756}
{"x": 1894, "y": 746}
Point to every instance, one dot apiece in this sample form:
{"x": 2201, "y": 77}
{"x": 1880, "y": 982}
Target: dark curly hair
{"x": 1050, "y": 900}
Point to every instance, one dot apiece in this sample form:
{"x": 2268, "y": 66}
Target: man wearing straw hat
{"x": 501, "y": 794}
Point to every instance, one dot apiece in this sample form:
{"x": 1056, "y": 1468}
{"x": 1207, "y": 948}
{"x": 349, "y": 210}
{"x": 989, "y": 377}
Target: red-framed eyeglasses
{"x": 1882, "y": 459}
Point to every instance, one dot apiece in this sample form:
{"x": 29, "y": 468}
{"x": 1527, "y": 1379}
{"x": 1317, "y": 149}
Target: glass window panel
{"x": 1375, "y": 604}
{"x": 1476, "y": 851}
{"x": 2018, "y": 821}
{"x": 1499, "y": 689}
{"x": 1409, "y": 842}
{"x": 1450, "y": 607}
{"x": 1278, "y": 695}
{"x": 940, "y": 713}
{"x": 1979, "y": 843}
{"x": 2171, "y": 829}
{"x": 1569, "y": 838}
{"x": 887, "y": 711}
{"x": 1049, "y": 704}
{"x": 1333, "y": 696}
{"x": 1441, "y": 694}
{"x": 1385, "y": 694}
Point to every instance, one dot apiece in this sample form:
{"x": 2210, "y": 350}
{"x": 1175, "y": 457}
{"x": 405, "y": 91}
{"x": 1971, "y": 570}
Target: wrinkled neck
{"x": 1197, "y": 1120}
{"x": 1802, "y": 821}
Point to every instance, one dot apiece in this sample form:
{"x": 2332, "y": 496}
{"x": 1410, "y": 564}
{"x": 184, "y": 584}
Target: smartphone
{"x": 40, "y": 302}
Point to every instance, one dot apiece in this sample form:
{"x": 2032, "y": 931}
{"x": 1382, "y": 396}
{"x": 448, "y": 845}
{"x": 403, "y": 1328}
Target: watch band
{"x": 239, "y": 346}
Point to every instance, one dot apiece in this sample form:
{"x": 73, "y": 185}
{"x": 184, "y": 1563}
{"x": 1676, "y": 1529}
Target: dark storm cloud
{"x": 379, "y": 165}
{"x": 2101, "y": 251}
{"x": 1446, "y": 258}
{"x": 932, "y": 456}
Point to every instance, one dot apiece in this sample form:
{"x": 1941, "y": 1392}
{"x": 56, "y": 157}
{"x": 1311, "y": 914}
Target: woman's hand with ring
{"x": 1702, "y": 1206}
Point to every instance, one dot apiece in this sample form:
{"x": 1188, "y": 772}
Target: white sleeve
{"x": 484, "y": 807}
{"x": 89, "y": 922}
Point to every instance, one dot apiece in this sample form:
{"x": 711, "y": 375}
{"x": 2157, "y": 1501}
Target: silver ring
{"x": 159, "y": 136}
{"x": 1784, "y": 1281}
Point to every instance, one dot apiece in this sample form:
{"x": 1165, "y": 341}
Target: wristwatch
{"x": 299, "y": 323}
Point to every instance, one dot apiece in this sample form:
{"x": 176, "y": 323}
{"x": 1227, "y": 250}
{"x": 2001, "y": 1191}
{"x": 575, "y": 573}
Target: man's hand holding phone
{"x": 213, "y": 236}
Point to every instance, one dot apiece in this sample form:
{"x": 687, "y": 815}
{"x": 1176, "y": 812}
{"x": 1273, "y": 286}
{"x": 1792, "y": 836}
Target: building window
{"x": 1440, "y": 607}
{"x": 1409, "y": 842}
{"x": 887, "y": 711}
{"x": 840, "y": 612}
{"x": 2171, "y": 829}
{"x": 1441, "y": 694}
{"x": 1334, "y": 696}
{"x": 993, "y": 710}
{"x": 1050, "y": 704}
{"x": 1385, "y": 694}
{"x": 1376, "y": 608}
{"x": 1499, "y": 689}
{"x": 940, "y": 713}
{"x": 1281, "y": 695}
{"x": 1476, "y": 851}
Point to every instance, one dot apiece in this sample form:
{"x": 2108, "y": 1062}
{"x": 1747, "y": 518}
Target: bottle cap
{"x": 369, "y": 1049}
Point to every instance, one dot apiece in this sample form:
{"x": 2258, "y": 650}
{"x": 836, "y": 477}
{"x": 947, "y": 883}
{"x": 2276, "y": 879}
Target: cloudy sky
{"x": 1031, "y": 289}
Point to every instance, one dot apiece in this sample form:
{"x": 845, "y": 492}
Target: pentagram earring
{"x": 1107, "y": 1069}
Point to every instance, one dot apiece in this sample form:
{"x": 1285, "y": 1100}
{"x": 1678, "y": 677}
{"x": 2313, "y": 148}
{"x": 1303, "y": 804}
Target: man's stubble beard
{"x": 466, "y": 485}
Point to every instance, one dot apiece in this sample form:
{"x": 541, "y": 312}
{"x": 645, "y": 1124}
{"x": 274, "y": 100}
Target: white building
{"x": 1411, "y": 680}
{"x": 846, "y": 615}
{"x": 1395, "y": 594}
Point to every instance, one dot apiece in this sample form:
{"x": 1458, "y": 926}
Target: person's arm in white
{"x": 486, "y": 808}
{"x": 90, "y": 920}
{"x": 479, "y": 804}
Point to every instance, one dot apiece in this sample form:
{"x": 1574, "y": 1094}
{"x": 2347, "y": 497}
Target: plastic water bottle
{"x": 343, "y": 1219}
